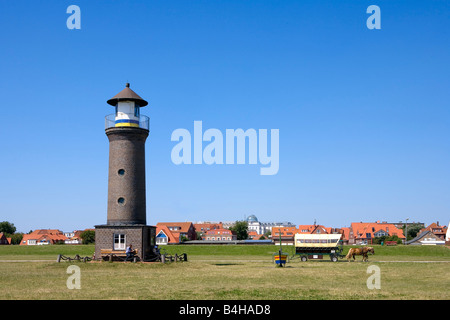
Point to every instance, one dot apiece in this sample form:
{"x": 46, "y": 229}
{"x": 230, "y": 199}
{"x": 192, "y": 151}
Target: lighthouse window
{"x": 121, "y": 201}
{"x": 136, "y": 110}
{"x": 119, "y": 241}
{"x": 117, "y": 110}
{"x": 121, "y": 172}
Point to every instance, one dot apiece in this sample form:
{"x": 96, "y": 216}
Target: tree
{"x": 240, "y": 228}
{"x": 16, "y": 238}
{"x": 413, "y": 230}
{"x": 7, "y": 227}
{"x": 379, "y": 240}
{"x": 88, "y": 237}
{"x": 394, "y": 238}
{"x": 183, "y": 238}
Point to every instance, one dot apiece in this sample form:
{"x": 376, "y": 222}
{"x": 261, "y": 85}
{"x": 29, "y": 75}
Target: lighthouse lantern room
{"x": 127, "y": 104}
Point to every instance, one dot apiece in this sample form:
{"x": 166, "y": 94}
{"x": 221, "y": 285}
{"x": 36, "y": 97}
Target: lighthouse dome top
{"x": 127, "y": 95}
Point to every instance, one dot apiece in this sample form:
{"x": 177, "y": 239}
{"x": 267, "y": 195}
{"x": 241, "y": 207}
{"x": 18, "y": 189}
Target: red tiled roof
{"x": 285, "y": 231}
{"x": 252, "y": 235}
{"x": 435, "y": 228}
{"x": 50, "y": 235}
{"x": 346, "y": 232}
{"x": 306, "y": 229}
{"x": 184, "y": 226}
{"x": 203, "y": 227}
{"x": 363, "y": 229}
{"x": 171, "y": 237}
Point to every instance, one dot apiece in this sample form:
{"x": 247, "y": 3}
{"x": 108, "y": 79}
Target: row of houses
{"x": 365, "y": 232}
{"x": 47, "y": 236}
{"x": 176, "y": 232}
{"x": 359, "y": 233}
{"x": 434, "y": 234}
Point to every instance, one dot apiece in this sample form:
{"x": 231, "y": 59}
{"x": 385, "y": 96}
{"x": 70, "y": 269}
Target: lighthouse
{"x": 127, "y": 131}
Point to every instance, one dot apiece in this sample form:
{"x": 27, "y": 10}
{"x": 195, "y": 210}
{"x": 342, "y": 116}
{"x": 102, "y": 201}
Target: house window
{"x": 119, "y": 241}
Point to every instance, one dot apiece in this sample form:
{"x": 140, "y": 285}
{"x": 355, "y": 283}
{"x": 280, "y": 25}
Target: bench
{"x": 118, "y": 254}
{"x": 391, "y": 243}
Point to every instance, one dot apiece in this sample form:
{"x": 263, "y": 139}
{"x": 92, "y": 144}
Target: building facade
{"x": 364, "y": 232}
{"x": 264, "y": 227}
{"x": 220, "y": 235}
{"x": 437, "y": 229}
{"x": 202, "y": 227}
{"x": 43, "y": 237}
{"x": 3, "y": 239}
{"x": 426, "y": 237}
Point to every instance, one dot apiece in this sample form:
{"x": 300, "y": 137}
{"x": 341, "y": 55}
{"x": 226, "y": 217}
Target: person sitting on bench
{"x": 130, "y": 252}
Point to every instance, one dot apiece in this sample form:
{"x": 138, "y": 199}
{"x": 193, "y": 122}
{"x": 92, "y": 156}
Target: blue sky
{"x": 363, "y": 115}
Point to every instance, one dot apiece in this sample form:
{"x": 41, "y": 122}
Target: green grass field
{"x": 225, "y": 272}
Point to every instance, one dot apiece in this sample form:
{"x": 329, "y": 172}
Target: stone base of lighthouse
{"x": 115, "y": 238}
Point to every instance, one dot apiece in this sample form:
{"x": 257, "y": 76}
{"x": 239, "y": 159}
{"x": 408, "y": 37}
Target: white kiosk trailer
{"x": 315, "y": 246}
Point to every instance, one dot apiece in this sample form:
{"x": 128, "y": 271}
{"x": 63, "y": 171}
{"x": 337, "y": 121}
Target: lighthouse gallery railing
{"x": 110, "y": 121}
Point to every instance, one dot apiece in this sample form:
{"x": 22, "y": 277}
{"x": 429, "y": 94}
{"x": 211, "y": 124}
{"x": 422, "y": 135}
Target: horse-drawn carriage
{"x": 315, "y": 246}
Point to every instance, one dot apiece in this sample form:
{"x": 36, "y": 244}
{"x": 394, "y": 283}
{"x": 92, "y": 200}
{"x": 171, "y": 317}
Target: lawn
{"x": 226, "y": 273}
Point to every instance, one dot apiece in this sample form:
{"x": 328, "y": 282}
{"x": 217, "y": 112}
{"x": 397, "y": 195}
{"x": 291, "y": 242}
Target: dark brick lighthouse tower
{"x": 127, "y": 131}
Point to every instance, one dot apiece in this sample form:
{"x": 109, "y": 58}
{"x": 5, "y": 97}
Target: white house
{"x": 263, "y": 227}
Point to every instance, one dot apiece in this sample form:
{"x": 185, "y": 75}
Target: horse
{"x": 360, "y": 252}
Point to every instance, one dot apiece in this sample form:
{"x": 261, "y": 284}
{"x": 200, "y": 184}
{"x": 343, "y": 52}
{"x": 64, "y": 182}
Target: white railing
{"x": 110, "y": 121}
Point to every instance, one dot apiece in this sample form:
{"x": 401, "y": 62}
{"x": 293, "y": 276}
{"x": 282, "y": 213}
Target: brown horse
{"x": 360, "y": 252}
